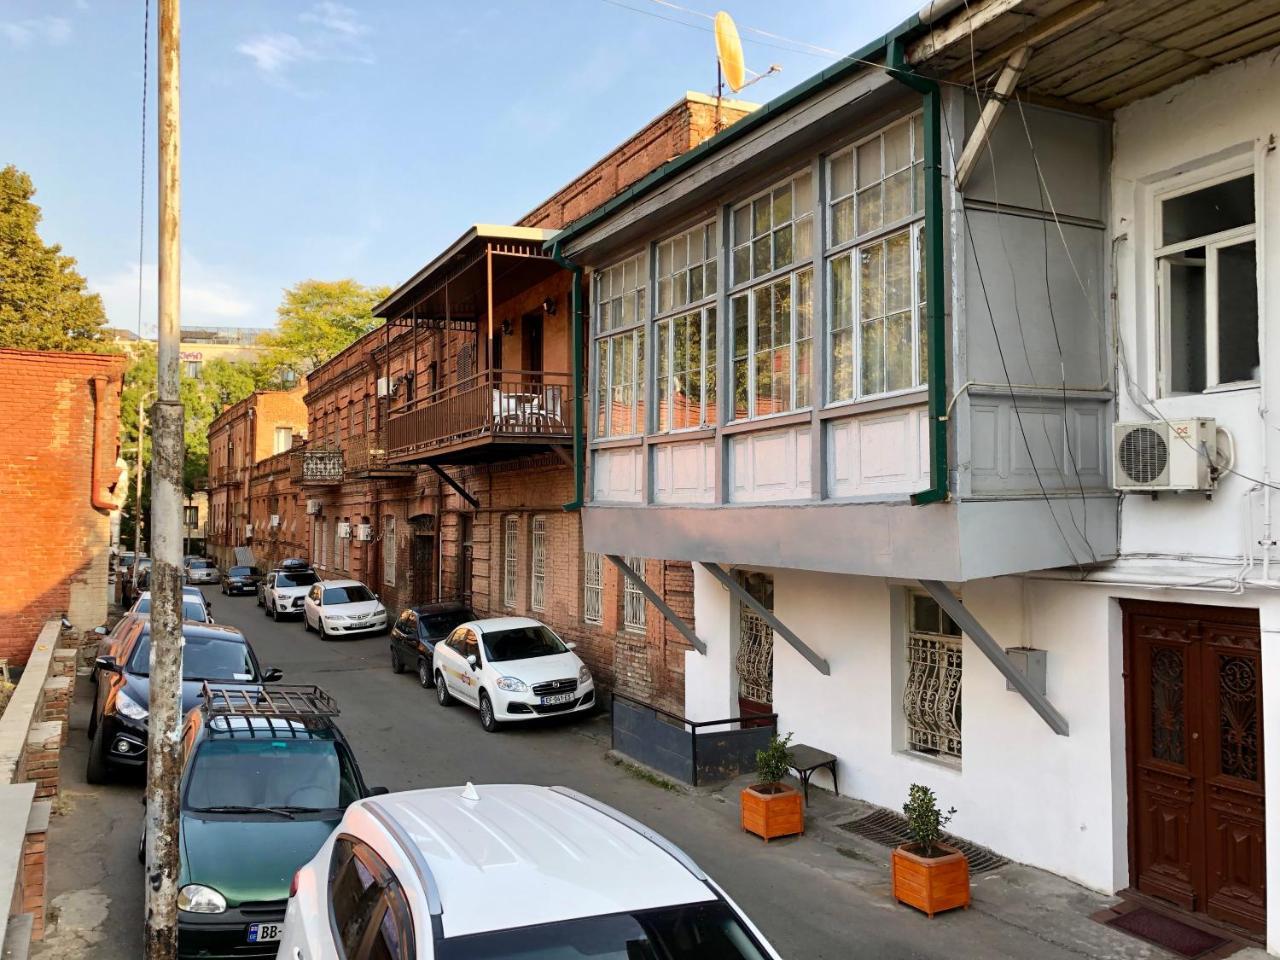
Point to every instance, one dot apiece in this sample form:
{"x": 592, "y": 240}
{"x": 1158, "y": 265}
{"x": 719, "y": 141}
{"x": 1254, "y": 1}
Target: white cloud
{"x": 208, "y": 297}
{"x": 331, "y": 32}
{"x": 274, "y": 51}
{"x": 335, "y": 17}
{"x": 22, "y": 33}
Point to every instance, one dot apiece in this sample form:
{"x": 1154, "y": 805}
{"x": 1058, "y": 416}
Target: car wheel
{"x": 425, "y": 680}
{"x": 397, "y": 666}
{"x": 96, "y": 771}
{"x": 275, "y": 614}
{"x": 324, "y": 634}
{"x": 306, "y": 624}
{"x": 443, "y": 696}
{"x": 487, "y": 719}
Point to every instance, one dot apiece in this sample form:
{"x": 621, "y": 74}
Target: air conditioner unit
{"x": 313, "y": 507}
{"x": 384, "y": 387}
{"x": 275, "y": 521}
{"x": 344, "y": 531}
{"x": 248, "y": 531}
{"x": 364, "y": 531}
{"x": 1165, "y": 455}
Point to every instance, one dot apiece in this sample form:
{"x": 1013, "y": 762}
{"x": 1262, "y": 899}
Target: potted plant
{"x": 770, "y": 808}
{"x": 928, "y": 874}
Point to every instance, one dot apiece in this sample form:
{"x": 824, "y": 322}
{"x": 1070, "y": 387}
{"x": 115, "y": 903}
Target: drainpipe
{"x": 936, "y": 314}
{"x": 101, "y": 493}
{"x": 579, "y": 423}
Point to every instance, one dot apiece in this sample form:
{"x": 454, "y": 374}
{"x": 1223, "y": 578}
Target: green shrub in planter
{"x": 773, "y": 762}
{"x": 924, "y": 819}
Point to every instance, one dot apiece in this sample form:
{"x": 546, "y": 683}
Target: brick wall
{"x": 47, "y": 475}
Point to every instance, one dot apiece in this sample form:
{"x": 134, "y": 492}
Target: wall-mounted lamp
{"x": 549, "y": 306}
{"x": 507, "y": 327}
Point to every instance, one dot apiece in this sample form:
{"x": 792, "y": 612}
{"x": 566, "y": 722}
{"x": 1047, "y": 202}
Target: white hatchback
{"x": 506, "y": 870}
{"x": 511, "y": 668}
{"x": 336, "y": 608}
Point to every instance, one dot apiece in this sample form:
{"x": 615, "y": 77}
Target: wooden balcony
{"x": 494, "y": 415}
{"x": 366, "y": 456}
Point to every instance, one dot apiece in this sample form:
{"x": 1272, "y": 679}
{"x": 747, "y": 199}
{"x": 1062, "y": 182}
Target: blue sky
{"x": 329, "y": 140}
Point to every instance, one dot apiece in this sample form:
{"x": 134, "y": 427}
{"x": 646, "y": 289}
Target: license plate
{"x": 265, "y": 932}
{"x": 557, "y": 698}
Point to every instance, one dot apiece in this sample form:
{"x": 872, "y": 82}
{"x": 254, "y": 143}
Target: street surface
{"x": 813, "y": 899}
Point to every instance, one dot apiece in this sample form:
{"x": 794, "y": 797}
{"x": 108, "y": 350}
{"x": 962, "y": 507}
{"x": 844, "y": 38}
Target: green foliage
{"x": 773, "y": 762}
{"x": 44, "y": 303}
{"x": 924, "y": 819}
{"x": 317, "y": 320}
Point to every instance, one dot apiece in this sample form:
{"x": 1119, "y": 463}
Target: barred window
{"x": 538, "y": 549}
{"x": 754, "y": 661}
{"x": 510, "y": 533}
{"x": 633, "y": 597}
{"x": 592, "y": 588}
{"x": 389, "y": 551}
{"x": 931, "y": 700}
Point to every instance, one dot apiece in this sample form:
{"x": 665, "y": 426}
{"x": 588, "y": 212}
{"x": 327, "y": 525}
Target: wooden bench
{"x": 804, "y": 760}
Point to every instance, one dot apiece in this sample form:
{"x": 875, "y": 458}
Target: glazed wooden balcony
{"x": 491, "y": 416}
{"x": 365, "y": 455}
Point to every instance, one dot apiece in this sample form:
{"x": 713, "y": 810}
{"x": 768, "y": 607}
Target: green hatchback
{"x": 266, "y": 777}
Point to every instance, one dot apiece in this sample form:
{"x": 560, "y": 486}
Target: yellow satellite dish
{"x": 729, "y": 52}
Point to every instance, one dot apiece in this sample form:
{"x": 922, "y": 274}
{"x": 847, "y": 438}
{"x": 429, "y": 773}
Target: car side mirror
{"x": 272, "y": 674}
{"x": 107, "y": 664}
{"x": 571, "y": 645}
{"x": 379, "y": 791}
{"x": 473, "y": 661}
{"x": 101, "y": 631}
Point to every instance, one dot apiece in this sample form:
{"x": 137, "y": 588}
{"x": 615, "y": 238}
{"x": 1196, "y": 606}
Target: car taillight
{"x": 293, "y": 884}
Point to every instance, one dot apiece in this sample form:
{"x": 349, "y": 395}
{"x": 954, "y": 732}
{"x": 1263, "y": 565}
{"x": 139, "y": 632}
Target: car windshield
{"x": 357, "y": 593}
{"x": 442, "y": 624}
{"x": 242, "y": 572}
{"x": 522, "y": 643}
{"x": 203, "y": 658}
{"x": 191, "y": 609}
{"x": 296, "y": 579}
{"x": 270, "y": 771}
{"x": 700, "y": 931}
{"x": 201, "y": 564}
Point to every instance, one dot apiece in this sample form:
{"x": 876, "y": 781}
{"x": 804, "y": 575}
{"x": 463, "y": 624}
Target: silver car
{"x": 202, "y": 571}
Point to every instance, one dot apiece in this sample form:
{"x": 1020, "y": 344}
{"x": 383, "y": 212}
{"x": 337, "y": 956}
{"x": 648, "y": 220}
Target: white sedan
{"x": 511, "y": 668}
{"x": 341, "y": 607}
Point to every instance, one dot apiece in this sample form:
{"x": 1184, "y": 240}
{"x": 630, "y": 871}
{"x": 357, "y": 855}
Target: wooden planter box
{"x": 931, "y": 884}
{"x": 772, "y": 810}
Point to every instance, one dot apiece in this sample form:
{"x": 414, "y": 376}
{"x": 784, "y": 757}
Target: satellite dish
{"x": 729, "y": 52}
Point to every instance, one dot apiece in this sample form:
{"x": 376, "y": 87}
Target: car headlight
{"x": 195, "y": 898}
{"x": 584, "y": 675}
{"x": 129, "y": 707}
{"x": 512, "y": 685}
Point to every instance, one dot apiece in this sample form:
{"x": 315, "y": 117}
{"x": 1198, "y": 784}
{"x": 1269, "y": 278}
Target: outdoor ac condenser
{"x": 313, "y": 507}
{"x": 364, "y": 531}
{"x": 1154, "y": 456}
{"x": 275, "y": 520}
{"x": 344, "y": 530}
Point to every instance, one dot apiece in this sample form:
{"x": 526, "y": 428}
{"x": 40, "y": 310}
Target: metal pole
{"x": 163, "y": 753}
{"x": 137, "y": 482}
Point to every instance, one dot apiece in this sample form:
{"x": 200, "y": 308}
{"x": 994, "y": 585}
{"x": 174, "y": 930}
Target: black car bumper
{"x": 125, "y": 742}
{"x": 234, "y": 587}
{"x": 225, "y": 936}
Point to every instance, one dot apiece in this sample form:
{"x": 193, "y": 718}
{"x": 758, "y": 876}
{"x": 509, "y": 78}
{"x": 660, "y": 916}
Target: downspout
{"x": 101, "y": 493}
{"x": 579, "y": 423}
{"x": 936, "y": 313}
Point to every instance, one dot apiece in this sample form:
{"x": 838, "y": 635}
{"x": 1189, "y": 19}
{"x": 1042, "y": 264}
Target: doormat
{"x": 1168, "y": 932}
{"x": 890, "y": 830}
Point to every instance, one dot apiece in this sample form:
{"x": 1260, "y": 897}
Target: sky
{"x": 326, "y": 140}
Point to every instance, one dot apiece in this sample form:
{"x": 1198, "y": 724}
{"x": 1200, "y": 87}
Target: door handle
{"x": 1195, "y": 736}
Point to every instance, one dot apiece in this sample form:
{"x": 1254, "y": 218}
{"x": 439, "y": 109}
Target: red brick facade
{"x": 58, "y": 474}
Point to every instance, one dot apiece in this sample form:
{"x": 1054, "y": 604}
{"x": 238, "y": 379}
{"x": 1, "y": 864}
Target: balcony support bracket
{"x": 983, "y": 640}
{"x": 781, "y": 629}
{"x": 651, "y": 595}
{"x": 458, "y": 488}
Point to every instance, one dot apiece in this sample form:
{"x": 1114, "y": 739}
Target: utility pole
{"x": 137, "y": 482}
{"x": 163, "y": 754}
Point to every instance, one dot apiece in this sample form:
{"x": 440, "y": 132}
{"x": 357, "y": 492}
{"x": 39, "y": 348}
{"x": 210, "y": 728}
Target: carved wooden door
{"x": 1197, "y": 808}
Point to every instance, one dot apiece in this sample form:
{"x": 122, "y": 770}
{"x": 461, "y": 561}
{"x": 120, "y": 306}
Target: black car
{"x": 118, "y": 723}
{"x": 239, "y": 580}
{"x": 137, "y": 580}
{"x": 414, "y": 636}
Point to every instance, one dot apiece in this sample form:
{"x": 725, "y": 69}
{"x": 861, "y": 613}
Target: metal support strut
{"x": 459, "y": 488}
{"x": 651, "y": 595}
{"x": 780, "y": 628}
{"x": 976, "y": 632}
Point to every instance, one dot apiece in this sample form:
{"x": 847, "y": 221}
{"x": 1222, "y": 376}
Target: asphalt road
{"x": 814, "y": 900}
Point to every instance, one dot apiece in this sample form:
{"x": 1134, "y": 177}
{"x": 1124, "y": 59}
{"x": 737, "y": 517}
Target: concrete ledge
{"x": 17, "y": 938}
{"x": 24, "y": 706}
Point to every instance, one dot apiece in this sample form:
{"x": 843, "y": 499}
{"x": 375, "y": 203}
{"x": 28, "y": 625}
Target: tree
{"x": 44, "y": 304}
{"x": 318, "y": 319}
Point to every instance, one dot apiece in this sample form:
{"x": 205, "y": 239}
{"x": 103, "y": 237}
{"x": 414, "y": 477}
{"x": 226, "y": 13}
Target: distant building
{"x": 195, "y": 522}
{"x": 199, "y": 345}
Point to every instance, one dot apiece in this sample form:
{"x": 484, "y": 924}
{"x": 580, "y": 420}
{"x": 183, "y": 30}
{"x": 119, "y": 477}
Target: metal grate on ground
{"x": 890, "y": 830}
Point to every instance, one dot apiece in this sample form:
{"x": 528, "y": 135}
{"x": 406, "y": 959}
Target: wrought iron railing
{"x": 366, "y": 451}
{"x": 510, "y": 404}
{"x": 318, "y": 465}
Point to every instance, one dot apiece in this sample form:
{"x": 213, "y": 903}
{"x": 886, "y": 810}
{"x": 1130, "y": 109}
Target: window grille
{"x": 755, "y": 641}
{"x": 931, "y": 700}
{"x": 538, "y": 581}
{"x": 633, "y": 598}
{"x": 510, "y": 531}
{"x": 389, "y": 551}
{"x": 592, "y": 588}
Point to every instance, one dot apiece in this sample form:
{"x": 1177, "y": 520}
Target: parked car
{"x": 287, "y": 566}
{"x": 338, "y": 608}
{"x": 118, "y": 722}
{"x": 200, "y": 570}
{"x": 193, "y": 607}
{"x": 416, "y": 632}
{"x": 511, "y": 668}
{"x": 423, "y": 874}
{"x": 135, "y": 581}
{"x": 260, "y": 794}
{"x": 283, "y": 592}
{"x": 240, "y": 579}
{"x": 294, "y": 564}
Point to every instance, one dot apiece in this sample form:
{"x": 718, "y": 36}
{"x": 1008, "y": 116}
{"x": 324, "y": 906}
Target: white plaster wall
{"x": 1180, "y": 136}
{"x": 710, "y": 679}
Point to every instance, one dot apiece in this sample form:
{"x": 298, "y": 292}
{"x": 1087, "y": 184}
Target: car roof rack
{"x": 296, "y": 701}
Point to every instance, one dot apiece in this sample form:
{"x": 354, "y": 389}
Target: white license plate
{"x": 557, "y": 698}
{"x": 265, "y": 932}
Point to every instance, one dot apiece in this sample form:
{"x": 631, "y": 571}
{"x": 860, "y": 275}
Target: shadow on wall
{"x": 22, "y": 615}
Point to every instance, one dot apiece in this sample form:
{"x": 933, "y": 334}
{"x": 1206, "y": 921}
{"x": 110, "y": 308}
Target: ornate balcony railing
{"x": 317, "y": 465}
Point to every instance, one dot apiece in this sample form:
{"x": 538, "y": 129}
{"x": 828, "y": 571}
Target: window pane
{"x": 804, "y": 238}
{"x": 803, "y": 195}
{"x": 628, "y": 312}
{"x": 709, "y": 364}
{"x": 917, "y": 173}
{"x": 871, "y": 281}
{"x": 782, "y": 312}
{"x": 897, "y": 350}
{"x": 764, "y": 384}
{"x": 664, "y": 259}
{"x": 873, "y": 357}
{"x": 897, "y": 197}
{"x": 760, "y": 216}
{"x": 663, "y": 331}
{"x": 897, "y": 147}
{"x": 1186, "y": 325}
{"x": 899, "y": 283}
{"x": 917, "y": 128}
{"x": 1238, "y": 313}
{"x": 842, "y": 176}
{"x": 741, "y": 404}
{"x": 664, "y": 294}
{"x": 680, "y": 253}
{"x": 869, "y": 171}
{"x": 760, "y": 256}
{"x": 695, "y": 283}
{"x": 661, "y": 383}
{"x": 741, "y": 263}
{"x": 842, "y": 365}
{"x": 1223, "y": 206}
{"x": 639, "y": 422}
{"x": 602, "y": 386}
{"x": 870, "y": 214}
{"x": 782, "y": 379}
{"x": 782, "y": 204}
{"x": 742, "y": 224}
{"x": 841, "y": 293}
{"x": 632, "y": 268}
{"x": 763, "y": 309}
{"x": 804, "y": 371}
{"x": 842, "y": 221}
{"x": 741, "y": 323}
{"x": 804, "y": 304}
{"x": 710, "y": 280}
{"x": 782, "y": 247}
{"x": 680, "y": 288}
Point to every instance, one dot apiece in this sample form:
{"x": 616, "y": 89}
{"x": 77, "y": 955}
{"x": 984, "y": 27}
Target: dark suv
{"x": 240, "y": 579}
{"x": 416, "y": 632}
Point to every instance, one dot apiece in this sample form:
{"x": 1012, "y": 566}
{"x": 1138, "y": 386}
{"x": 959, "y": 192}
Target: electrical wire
{"x": 142, "y": 176}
